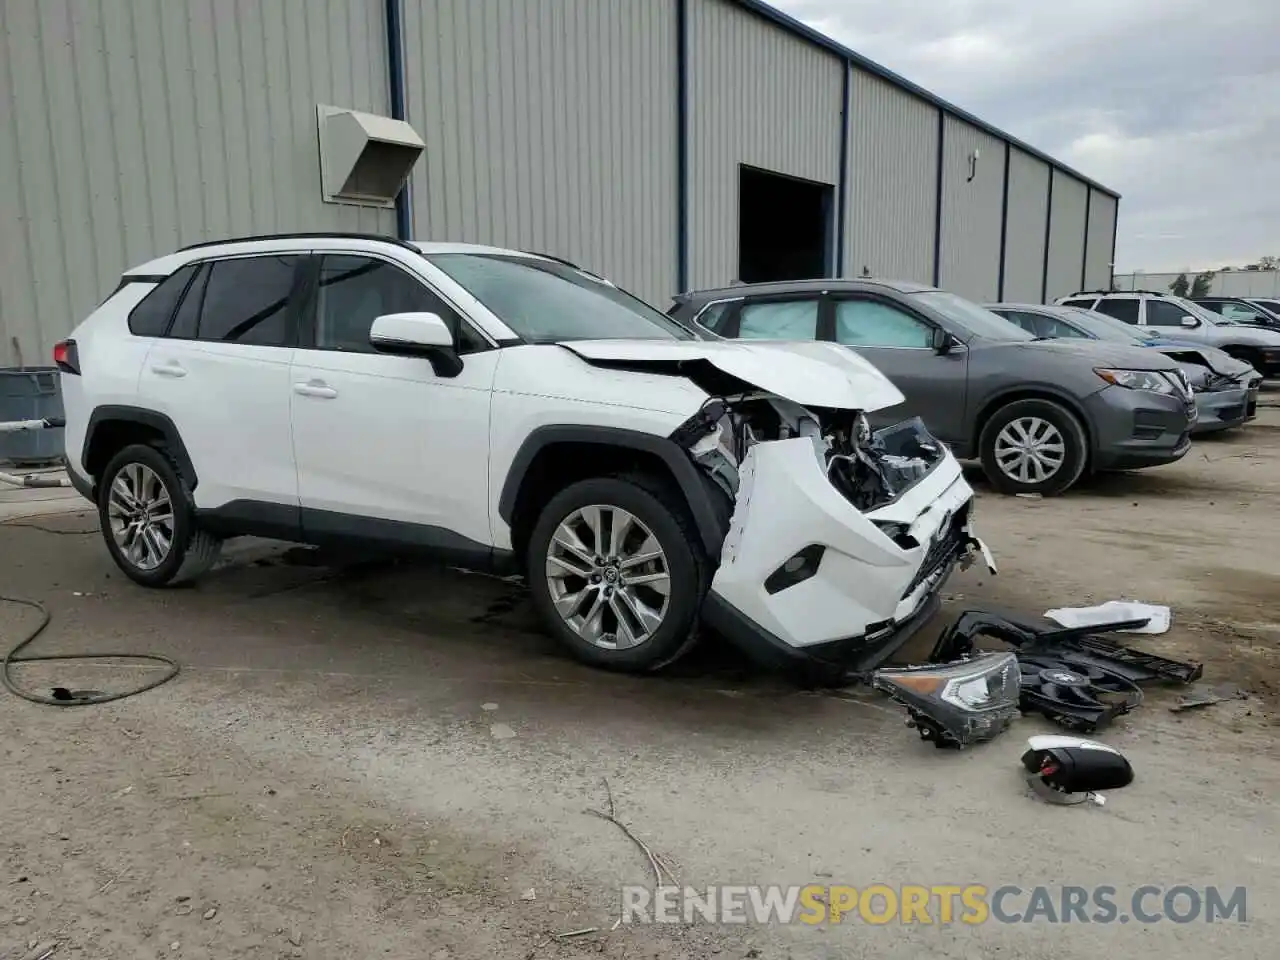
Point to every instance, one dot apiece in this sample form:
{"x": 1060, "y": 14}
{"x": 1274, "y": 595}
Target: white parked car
{"x": 511, "y": 411}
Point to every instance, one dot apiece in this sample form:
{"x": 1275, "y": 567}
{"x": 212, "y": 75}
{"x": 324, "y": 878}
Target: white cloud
{"x": 1173, "y": 103}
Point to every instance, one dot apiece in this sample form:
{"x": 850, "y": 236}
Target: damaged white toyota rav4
{"x": 511, "y": 411}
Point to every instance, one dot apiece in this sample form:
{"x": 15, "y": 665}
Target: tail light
{"x": 66, "y": 357}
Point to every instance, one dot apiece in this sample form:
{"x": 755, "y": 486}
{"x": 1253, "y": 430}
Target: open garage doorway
{"x": 784, "y": 227}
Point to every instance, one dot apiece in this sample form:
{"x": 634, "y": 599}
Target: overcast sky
{"x": 1173, "y": 103}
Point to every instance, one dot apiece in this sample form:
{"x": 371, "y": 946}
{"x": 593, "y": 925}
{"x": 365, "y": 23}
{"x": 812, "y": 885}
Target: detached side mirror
{"x": 943, "y": 342}
{"x": 1190, "y": 322}
{"x": 417, "y": 335}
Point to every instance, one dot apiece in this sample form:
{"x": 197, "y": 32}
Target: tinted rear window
{"x": 246, "y": 300}
{"x": 150, "y": 318}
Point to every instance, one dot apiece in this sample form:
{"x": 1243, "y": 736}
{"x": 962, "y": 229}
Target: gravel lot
{"x": 383, "y": 762}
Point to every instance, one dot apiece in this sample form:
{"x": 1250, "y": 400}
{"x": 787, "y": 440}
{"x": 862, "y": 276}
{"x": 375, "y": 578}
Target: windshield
{"x": 547, "y": 302}
{"x": 1104, "y": 327}
{"x": 971, "y": 317}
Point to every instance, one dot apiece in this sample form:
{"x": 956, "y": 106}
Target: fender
{"x": 144, "y": 417}
{"x": 1040, "y": 390}
{"x": 712, "y": 523}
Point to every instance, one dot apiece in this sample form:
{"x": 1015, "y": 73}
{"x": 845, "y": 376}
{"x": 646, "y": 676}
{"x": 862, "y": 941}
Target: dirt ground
{"x": 386, "y": 761}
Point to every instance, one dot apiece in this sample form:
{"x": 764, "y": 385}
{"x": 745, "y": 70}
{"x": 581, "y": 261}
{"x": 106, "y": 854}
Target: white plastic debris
{"x": 1114, "y": 611}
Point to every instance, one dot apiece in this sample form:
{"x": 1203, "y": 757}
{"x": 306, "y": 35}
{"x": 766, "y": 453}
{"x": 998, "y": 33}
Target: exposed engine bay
{"x": 870, "y": 469}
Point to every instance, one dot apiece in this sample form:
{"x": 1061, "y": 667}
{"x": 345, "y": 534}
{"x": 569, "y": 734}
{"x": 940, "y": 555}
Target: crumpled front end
{"x": 839, "y": 540}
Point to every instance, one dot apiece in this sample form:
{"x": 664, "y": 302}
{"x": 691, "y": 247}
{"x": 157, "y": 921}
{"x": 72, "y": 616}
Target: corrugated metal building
{"x": 1225, "y": 283}
{"x": 667, "y": 144}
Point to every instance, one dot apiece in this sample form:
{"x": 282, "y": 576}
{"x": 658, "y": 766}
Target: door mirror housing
{"x": 943, "y": 342}
{"x": 417, "y": 335}
{"x": 1190, "y": 322}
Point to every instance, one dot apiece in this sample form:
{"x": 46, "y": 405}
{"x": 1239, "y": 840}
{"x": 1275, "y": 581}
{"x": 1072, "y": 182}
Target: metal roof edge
{"x": 806, "y": 32}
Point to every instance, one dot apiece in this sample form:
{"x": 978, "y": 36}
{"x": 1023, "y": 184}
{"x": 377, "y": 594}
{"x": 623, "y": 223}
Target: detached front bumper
{"x": 1222, "y": 409}
{"x": 808, "y": 582}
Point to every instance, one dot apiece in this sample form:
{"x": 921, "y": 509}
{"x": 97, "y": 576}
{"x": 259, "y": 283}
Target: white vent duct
{"x": 364, "y": 158}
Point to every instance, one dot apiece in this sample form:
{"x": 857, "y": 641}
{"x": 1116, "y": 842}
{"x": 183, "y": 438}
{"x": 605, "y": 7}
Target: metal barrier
{"x": 32, "y": 479}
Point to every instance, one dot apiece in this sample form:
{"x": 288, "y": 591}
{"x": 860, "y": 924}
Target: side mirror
{"x": 417, "y": 335}
{"x": 942, "y": 342}
{"x": 1190, "y": 322}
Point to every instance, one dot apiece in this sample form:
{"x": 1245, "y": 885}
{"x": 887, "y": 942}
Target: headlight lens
{"x": 957, "y": 703}
{"x": 1150, "y": 380}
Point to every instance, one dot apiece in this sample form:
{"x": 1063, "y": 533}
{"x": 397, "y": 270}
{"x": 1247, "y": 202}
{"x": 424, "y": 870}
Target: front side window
{"x": 354, "y": 291}
{"x": 976, "y": 320}
{"x": 1122, "y": 308}
{"x": 1053, "y": 327}
{"x": 543, "y": 301}
{"x": 246, "y": 300}
{"x": 1164, "y": 313}
{"x": 869, "y": 323}
{"x": 779, "y": 320}
{"x": 1234, "y": 311}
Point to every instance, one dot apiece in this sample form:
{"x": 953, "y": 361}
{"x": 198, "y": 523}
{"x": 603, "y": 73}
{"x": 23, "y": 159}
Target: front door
{"x": 384, "y": 445}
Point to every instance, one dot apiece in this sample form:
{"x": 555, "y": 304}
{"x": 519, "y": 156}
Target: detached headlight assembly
{"x": 1149, "y": 380}
{"x": 956, "y": 704}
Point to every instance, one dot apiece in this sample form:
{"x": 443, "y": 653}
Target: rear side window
{"x": 779, "y": 320}
{"x": 1125, "y": 309}
{"x": 713, "y": 317}
{"x": 150, "y": 318}
{"x": 246, "y": 300}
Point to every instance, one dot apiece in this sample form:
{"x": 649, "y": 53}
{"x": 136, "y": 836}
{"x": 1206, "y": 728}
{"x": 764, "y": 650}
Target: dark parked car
{"x": 1036, "y": 412}
{"x": 1243, "y": 310}
{"x": 1226, "y": 389}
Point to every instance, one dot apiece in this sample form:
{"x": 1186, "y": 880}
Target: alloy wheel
{"x": 608, "y": 577}
{"x": 140, "y": 512}
{"x": 1030, "y": 450}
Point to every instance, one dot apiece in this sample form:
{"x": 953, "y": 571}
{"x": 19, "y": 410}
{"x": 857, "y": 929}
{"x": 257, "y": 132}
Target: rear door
{"x": 221, "y": 374}
{"x": 381, "y": 437}
{"x": 899, "y": 343}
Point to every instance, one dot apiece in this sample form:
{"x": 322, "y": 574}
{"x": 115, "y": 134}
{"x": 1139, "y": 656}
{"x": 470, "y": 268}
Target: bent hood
{"x": 808, "y": 373}
{"x": 1218, "y": 361}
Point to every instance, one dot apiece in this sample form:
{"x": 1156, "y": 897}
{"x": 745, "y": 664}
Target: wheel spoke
{"x": 657, "y": 582}
{"x": 621, "y": 525}
{"x": 595, "y": 523}
{"x": 648, "y": 618}
{"x": 567, "y": 604}
{"x": 121, "y": 496}
{"x": 568, "y": 567}
{"x": 157, "y": 542}
{"x": 567, "y": 539}
{"x": 592, "y": 624}
{"x": 626, "y": 637}
{"x": 649, "y": 551}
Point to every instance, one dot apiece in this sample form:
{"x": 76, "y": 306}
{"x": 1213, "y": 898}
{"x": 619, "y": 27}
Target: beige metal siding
{"x": 1066, "y": 235}
{"x": 1024, "y": 232}
{"x": 971, "y": 211}
{"x": 131, "y": 127}
{"x": 758, "y": 96}
{"x": 550, "y": 125}
{"x": 892, "y": 185}
{"x": 1102, "y": 220}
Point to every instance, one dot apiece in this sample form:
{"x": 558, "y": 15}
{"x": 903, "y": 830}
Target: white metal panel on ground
{"x": 1066, "y": 235}
{"x": 892, "y": 186}
{"x": 757, "y": 96}
{"x": 972, "y": 210}
{"x": 1024, "y": 231}
{"x": 1247, "y": 283}
{"x": 551, "y": 126}
{"x": 1097, "y": 255}
{"x": 138, "y": 126}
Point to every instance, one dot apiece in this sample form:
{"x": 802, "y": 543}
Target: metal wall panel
{"x": 972, "y": 210}
{"x": 758, "y": 96}
{"x": 132, "y": 127}
{"x": 1066, "y": 235}
{"x": 892, "y": 186}
{"x": 1102, "y": 221}
{"x": 1024, "y": 231}
{"x": 550, "y": 125}
{"x": 1226, "y": 283}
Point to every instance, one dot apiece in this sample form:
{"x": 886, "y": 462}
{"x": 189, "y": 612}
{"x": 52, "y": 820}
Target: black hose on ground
{"x": 62, "y": 697}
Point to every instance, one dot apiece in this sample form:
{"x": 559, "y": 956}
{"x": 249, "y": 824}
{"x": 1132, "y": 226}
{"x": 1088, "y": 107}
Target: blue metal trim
{"x": 682, "y": 145}
{"x": 1084, "y": 255}
{"x": 806, "y": 32}
{"x": 1115, "y": 228}
{"x": 395, "y": 88}
{"x": 937, "y": 203}
{"x": 842, "y": 183}
{"x": 1048, "y": 233}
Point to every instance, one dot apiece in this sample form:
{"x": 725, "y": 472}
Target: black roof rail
{"x": 312, "y": 235}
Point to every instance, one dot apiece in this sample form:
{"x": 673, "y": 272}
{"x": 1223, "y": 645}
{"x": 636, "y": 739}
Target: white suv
{"x": 509, "y": 410}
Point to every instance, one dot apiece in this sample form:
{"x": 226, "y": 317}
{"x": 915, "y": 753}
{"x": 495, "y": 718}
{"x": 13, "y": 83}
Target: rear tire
{"x": 1033, "y": 446}
{"x": 148, "y": 522}
{"x": 615, "y": 614}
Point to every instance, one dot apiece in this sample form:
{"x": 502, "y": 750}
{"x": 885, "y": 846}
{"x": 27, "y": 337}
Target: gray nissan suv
{"x": 1036, "y": 412}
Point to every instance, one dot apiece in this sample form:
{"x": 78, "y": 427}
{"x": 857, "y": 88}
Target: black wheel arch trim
{"x": 112, "y": 413}
{"x": 693, "y": 485}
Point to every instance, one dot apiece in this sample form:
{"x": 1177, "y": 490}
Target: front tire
{"x": 1033, "y": 446}
{"x": 617, "y": 572}
{"x": 145, "y": 512}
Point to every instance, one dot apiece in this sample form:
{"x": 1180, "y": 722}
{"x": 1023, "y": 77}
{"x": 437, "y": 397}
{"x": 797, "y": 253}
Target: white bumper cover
{"x": 865, "y": 582}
